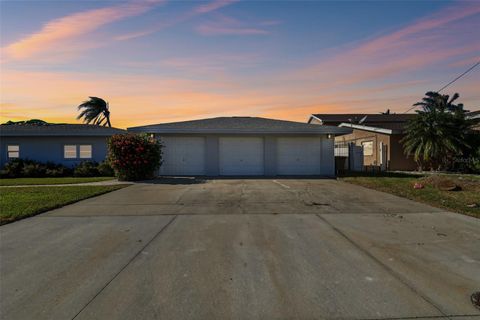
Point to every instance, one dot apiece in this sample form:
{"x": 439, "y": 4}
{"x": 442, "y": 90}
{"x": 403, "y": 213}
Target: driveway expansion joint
{"x": 237, "y": 239}
{"x": 456, "y": 317}
{"x": 386, "y": 267}
{"x": 126, "y": 265}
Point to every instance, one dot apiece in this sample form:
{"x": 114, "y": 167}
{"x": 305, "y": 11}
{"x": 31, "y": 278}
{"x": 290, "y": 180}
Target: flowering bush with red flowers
{"x": 134, "y": 156}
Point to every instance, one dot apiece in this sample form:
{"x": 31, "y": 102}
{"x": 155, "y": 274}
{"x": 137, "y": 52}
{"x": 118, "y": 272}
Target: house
{"x": 66, "y": 144}
{"x": 378, "y": 134}
{"x": 232, "y": 146}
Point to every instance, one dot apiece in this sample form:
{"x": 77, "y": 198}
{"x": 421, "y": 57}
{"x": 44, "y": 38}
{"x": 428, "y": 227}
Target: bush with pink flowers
{"x": 134, "y": 156}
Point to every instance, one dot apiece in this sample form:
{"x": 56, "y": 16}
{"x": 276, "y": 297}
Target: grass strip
{"x": 19, "y": 203}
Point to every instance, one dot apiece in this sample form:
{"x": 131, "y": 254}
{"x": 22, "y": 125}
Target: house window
{"x": 86, "y": 151}
{"x": 13, "y": 151}
{"x": 69, "y": 151}
{"x": 367, "y": 148}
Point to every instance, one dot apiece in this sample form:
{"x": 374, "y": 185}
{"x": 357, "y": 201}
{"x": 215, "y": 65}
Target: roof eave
{"x": 368, "y": 128}
{"x": 312, "y": 116}
{"x": 55, "y": 135}
{"x": 325, "y": 130}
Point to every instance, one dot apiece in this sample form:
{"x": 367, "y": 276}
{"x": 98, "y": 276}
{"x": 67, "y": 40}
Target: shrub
{"x": 86, "y": 169}
{"x": 13, "y": 168}
{"x": 33, "y": 169}
{"x": 17, "y": 168}
{"x": 61, "y": 171}
{"x": 4, "y": 174}
{"x": 105, "y": 170}
{"x": 57, "y": 170}
{"x": 134, "y": 156}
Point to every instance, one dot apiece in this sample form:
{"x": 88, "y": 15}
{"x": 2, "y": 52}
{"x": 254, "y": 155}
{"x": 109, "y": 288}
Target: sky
{"x": 162, "y": 61}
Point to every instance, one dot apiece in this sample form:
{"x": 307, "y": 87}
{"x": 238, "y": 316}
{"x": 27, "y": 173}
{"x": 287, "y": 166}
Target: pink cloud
{"x": 142, "y": 33}
{"x": 418, "y": 51}
{"x": 391, "y": 71}
{"x": 55, "y": 34}
{"x": 214, "y": 5}
{"x": 223, "y": 25}
{"x": 467, "y": 62}
{"x": 196, "y": 11}
{"x": 435, "y": 21}
{"x": 212, "y": 30}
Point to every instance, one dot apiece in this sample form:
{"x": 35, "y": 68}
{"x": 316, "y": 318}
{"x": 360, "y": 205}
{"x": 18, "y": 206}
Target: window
{"x": 13, "y": 151}
{"x": 69, "y": 151}
{"x": 367, "y": 148}
{"x": 86, "y": 151}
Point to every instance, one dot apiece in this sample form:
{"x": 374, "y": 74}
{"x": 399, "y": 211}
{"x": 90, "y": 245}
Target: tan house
{"x": 379, "y": 136}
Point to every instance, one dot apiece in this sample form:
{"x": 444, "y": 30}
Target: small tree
{"x": 134, "y": 156}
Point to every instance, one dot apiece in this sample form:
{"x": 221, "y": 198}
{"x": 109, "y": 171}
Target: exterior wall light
{"x": 329, "y": 136}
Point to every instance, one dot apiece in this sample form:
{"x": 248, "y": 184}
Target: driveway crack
{"x": 126, "y": 265}
{"x": 395, "y": 274}
{"x": 242, "y": 198}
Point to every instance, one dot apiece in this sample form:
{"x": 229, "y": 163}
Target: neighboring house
{"x": 67, "y": 144}
{"x": 378, "y": 134}
{"x": 229, "y": 146}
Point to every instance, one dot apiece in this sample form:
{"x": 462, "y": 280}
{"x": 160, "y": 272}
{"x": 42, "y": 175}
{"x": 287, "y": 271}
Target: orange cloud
{"x": 56, "y": 33}
{"x": 134, "y": 100}
{"x": 392, "y": 71}
{"x": 143, "y": 99}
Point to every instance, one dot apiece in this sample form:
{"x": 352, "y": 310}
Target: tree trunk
{"x": 419, "y": 165}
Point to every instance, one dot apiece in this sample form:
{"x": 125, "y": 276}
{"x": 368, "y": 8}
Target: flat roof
{"x": 370, "y": 117}
{"x": 369, "y": 128}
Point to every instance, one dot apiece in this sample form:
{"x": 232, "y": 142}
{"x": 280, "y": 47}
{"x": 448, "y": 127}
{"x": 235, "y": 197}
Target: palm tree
{"x": 95, "y": 111}
{"x": 438, "y": 133}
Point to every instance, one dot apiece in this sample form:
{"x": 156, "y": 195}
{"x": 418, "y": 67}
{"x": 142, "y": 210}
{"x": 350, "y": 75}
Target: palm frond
{"x": 95, "y": 110}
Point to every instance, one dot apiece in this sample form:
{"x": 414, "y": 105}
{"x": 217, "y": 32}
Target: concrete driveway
{"x": 241, "y": 249}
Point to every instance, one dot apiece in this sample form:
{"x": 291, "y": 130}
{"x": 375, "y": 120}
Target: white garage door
{"x": 299, "y": 156}
{"x": 183, "y": 156}
{"x": 241, "y": 156}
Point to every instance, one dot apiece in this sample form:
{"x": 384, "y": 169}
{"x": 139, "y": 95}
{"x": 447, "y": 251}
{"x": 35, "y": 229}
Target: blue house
{"x": 66, "y": 144}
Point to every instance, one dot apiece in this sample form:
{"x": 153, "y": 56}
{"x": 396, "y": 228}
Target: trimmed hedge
{"x": 25, "y": 168}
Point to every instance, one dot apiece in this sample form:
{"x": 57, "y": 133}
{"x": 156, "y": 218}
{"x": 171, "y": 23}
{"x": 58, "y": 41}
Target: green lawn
{"x": 402, "y": 185}
{"x": 18, "y": 203}
{"x": 60, "y": 180}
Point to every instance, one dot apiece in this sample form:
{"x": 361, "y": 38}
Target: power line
{"x": 470, "y": 69}
{"x": 448, "y": 84}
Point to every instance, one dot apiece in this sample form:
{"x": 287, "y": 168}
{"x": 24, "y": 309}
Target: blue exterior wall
{"x": 51, "y": 148}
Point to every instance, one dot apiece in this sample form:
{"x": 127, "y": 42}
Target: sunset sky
{"x": 161, "y": 61}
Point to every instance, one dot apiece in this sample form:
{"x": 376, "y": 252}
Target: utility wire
{"x": 464, "y": 73}
{"x": 470, "y": 69}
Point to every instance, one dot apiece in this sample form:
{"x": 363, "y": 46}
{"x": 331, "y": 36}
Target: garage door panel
{"x": 183, "y": 156}
{"x": 241, "y": 156}
{"x": 299, "y": 156}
